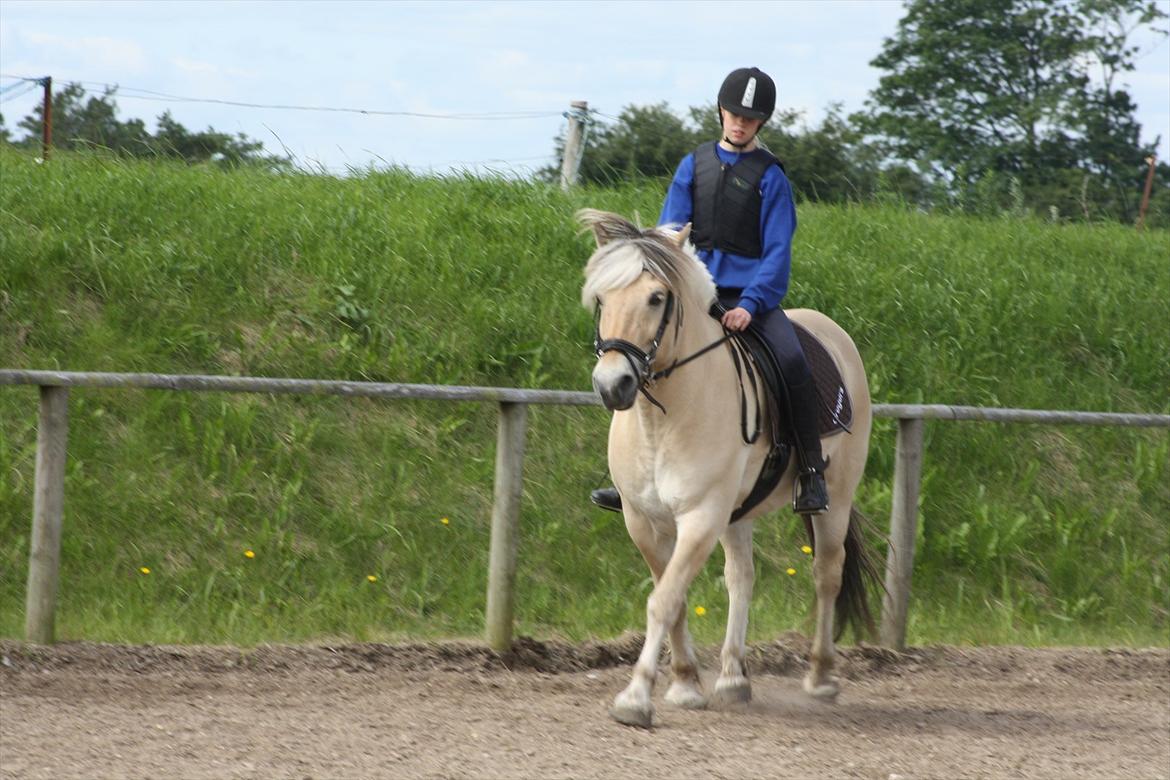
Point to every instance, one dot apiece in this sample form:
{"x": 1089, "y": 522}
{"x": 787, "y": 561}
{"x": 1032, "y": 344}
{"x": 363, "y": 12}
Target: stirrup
{"x": 810, "y": 494}
{"x": 607, "y": 498}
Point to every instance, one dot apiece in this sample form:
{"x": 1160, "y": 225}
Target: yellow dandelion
{"x": 791, "y": 572}
{"x": 806, "y": 550}
{"x": 249, "y": 554}
{"x": 700, "y": 611}
{"x": 371, "y": 578}
{"x": 445, "y": 521}
{"x": 145, "y": 570}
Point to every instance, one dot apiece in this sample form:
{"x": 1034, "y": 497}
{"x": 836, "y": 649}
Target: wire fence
{"x": 22, "y": 86}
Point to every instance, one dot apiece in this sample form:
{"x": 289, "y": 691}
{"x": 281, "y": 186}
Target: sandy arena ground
{"x": 458, "y": 711}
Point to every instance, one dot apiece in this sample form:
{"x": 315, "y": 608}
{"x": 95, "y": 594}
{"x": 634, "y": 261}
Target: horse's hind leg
{"x": 733, "y": 683}
{"x": 696, "y": 538}
{"x": 829, "y": 531}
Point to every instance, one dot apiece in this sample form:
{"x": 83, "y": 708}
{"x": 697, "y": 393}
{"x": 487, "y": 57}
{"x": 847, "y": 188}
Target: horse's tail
{"x": 857, "y": 576}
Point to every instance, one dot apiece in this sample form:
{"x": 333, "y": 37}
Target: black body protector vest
{"x": 727, "y": 201}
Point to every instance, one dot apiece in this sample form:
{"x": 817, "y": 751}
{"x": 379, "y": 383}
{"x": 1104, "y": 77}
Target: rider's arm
{"x": 777, "y": 224}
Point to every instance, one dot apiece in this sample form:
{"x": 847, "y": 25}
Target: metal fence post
{"x": 903, "y": 530}
{"x": 501, "y": 594}
{"x": 44, "y": 557}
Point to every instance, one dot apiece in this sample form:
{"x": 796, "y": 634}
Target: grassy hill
{"x": 1029, "y": 534}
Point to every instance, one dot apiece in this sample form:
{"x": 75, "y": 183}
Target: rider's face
{"x": 739, "y": 129}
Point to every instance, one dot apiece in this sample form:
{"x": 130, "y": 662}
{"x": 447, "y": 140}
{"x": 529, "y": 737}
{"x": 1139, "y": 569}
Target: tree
{"x": 1004, "y": 88}
{"x": 972, "y": 85}
{"x": 1110, "y": 135}
{"x": 80, "y": 123}
{"x": 171, "y": 139}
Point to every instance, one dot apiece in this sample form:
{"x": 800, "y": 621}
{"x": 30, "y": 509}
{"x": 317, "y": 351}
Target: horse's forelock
{"x": 618, "y": 263}
{"x": 612, "y": 267}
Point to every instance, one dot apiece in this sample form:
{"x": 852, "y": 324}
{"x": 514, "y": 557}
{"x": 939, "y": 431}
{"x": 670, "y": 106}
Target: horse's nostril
{"x": 625, "y": 385}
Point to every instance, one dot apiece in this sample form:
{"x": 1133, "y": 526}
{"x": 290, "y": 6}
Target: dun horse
{"x": 682, "y": 473}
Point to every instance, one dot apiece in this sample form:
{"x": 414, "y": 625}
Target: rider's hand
{"x": 737, "y": 319}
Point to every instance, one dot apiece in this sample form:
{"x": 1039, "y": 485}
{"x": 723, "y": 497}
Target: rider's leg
{"x": 812, "y": 496}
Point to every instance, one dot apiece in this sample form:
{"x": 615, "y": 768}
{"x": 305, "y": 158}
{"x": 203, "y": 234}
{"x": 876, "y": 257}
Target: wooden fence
{"x": 52, "y": 433}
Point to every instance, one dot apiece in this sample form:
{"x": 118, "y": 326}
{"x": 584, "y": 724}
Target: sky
{"x": 518, "y": 63}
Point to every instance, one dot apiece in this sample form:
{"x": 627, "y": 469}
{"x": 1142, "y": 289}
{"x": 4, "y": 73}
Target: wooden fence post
{"x": 577, "y": 115}
{"x": 44, "y": 557}
{"x": 501, "y": 595}
{"x": 903, "y": 530}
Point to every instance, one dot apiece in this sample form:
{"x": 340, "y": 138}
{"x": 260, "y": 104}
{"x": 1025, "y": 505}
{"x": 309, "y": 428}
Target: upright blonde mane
{"x": 624, "y": 251}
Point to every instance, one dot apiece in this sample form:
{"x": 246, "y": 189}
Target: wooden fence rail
{"x": 53, "y": 426}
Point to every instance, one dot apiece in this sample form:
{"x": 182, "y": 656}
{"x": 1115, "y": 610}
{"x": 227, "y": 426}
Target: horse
{"x": 681, "y": 465}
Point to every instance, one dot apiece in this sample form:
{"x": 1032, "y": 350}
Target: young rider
{"x": 740, "y": 205}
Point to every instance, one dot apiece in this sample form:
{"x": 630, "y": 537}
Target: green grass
{"x": 1029, "y": 534}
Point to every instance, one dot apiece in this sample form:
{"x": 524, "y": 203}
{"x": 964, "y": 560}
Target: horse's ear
{"x": 607, "y": 227}
{"x": 681, "y": 237}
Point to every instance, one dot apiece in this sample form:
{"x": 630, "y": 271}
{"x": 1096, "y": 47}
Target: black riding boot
{"x": 607, "y": 498}
{"x": 810, "y": 494}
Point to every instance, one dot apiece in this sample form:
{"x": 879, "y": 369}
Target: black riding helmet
{"x": 748, "y": 92}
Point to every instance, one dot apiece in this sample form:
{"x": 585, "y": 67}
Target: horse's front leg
{"x": 697, "y": 535}
{"x": 733, "y": 684}
{"x": 685, "y": 686}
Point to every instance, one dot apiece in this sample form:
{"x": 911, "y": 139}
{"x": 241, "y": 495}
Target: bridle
{"x": 642, "y": 361}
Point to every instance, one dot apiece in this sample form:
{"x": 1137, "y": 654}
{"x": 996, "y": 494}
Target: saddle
{"x": 834, "y": 408}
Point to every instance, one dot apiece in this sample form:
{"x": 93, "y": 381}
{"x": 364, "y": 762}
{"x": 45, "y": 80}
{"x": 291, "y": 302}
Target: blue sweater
{"x": 764, "y": 279}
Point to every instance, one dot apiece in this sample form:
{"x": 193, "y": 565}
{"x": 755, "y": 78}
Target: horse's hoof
{"x": 734, "y": 690}
{"x": 825, "y": 690}
{"x": 686, "y": 695}
{"x": 642, "y": 717}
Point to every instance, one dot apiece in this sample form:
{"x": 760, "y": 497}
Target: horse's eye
{"x": 657, "y": 298}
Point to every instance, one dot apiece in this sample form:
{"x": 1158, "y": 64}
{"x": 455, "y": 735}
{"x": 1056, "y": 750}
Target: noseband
{"x": 641, "y": 361}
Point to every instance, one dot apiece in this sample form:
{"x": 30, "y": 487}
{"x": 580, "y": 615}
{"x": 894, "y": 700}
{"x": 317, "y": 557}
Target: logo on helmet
{"x": 749, "y": 93}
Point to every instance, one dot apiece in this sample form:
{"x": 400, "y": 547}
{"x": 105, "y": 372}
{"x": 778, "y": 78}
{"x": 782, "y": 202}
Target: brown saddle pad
{"x": 834, "y": 409}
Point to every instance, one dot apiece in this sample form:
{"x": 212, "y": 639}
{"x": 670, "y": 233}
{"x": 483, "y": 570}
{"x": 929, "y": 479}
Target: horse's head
{"x": 638, "y": 284}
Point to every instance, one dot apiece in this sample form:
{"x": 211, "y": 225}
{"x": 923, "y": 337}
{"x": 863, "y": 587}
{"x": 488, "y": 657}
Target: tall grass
{"x": 1029, "y": 534}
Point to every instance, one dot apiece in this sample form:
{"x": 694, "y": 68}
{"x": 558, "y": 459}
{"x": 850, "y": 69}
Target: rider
{"x": 740, "y": 205}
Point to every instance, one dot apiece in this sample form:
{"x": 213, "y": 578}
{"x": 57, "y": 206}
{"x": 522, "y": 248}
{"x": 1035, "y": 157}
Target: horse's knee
{"x": 663, "y": 607}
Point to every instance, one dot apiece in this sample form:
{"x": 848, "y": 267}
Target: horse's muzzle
{"x": 618, "y": 389}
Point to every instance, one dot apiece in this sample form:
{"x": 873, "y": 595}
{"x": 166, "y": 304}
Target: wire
{"x": 14, "y": 85}
{"x": 27, "y": 89}
{"x": 136, "y": 93}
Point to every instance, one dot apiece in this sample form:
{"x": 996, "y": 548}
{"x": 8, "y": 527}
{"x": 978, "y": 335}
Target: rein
{"x": 641, "y": 361}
